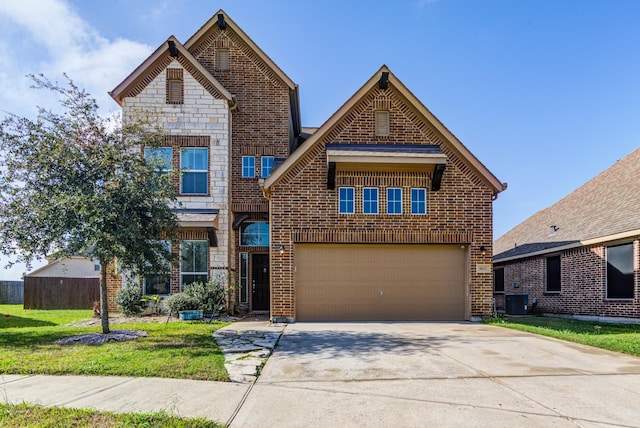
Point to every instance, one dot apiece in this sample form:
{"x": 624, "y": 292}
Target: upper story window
{"x": 419, "y": 201}
{"x": 160, "y": 157}
{"x": 394, "y": 200}
{"x": 346, "y": 200}
{"x": 194, "y": 262}
{"x": 222, "y": 59}
{"x": 620, "y": 274}
{"x": 175, "y": 86}
{"x": 267, "y": 166}
{"x": 370, "y": 200}
{"x": 255, "y": 234}
{"x": 248, "y": 166}
{"x": 382, "y": 123}
{"x": 194, "y": 163}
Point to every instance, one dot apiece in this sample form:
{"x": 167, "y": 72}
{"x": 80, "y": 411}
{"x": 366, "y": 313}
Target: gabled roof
{"x": 200, "y": 35}
{"x": 605, "y": 208}
{"x": 156, "y": 63}
{"x": 393, "y": 81}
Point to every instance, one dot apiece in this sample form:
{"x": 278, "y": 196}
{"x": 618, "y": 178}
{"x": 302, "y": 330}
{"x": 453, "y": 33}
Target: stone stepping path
{"x": 246, "y": 350}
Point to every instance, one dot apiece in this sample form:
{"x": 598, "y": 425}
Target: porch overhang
{"x": 189, "y": 217}
{"x": 385, "y": 157}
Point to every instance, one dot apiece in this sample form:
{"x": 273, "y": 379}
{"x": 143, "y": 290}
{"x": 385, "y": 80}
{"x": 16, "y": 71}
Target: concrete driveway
{"x": 438, "y": 374}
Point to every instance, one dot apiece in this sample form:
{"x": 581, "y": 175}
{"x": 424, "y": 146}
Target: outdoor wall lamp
{"x": 483, "y": 250}
{"x": 281, "y": 248}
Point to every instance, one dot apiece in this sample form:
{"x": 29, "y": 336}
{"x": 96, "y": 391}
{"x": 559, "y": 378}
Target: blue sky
{"x": 546, "y": 93}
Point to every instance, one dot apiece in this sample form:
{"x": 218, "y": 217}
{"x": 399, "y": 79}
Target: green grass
{"x": 184, "y": 350}
{"x": 24, "y": 415}
{"x": 614, "y": 337}
{"x": 19, "y": 317}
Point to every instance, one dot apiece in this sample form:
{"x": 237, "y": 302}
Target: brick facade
{"x": 303, "y": 210}
{"x": 583, "y": 283}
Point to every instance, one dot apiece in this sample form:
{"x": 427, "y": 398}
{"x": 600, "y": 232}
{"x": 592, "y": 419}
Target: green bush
{"x": 129, "y": 299}
{"x": 180, "y": 302}
{"x": 211, "y": 295}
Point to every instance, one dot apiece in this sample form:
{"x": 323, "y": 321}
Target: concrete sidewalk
{"x": 216, "y": 401}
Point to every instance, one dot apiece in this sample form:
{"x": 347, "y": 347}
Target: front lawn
{"x": 614, "y": 337}
{"x": 179, "y": 349}
{"x": 24, "y": 415}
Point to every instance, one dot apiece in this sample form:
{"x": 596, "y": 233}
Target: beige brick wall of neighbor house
{"x": 460, "y": 212}
{"x": 583, "y": 284}
{"x": 200, "y": 115}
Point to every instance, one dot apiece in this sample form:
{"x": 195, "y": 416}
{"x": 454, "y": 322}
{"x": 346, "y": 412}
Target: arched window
{"x": 255, "y": 234}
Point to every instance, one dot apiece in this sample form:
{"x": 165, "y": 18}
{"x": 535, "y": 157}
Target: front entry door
{"x": 260, "y": 282}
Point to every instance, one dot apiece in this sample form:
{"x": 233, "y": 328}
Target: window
{"x": 394, "y": 200}
{"x": 194, "y": 163}
{"x": 267, "y": 166}
{"x": 159, "y": 283}
{"x": 244, "y": 278}
{"x": 419, "y": 201}
{"x": 160, "y": 157}
{"x": 194, "y": 262}
{"x": 346, "y": 200}
{"x": 222, "y": 59}
{"x": 620, "y": 272}
{"x": 382, "y": 123}
{"x": 553, "y": 274}
{"x": 255, "y": 234}
{"x": 498, "y": 281}
{"x": 248, "y": 166}
{"x": 175, "y": 86}
{"x": 370, "y": 200}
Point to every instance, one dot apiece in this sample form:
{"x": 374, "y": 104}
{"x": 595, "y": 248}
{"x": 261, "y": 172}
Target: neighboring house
{"x": 379, "y": 214}
{"x": 580, "y": 256}
{"x": 66, "y": 283}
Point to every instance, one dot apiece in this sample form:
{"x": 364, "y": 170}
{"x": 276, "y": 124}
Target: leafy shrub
{"x": 211, "y": 295}
{"x": 180, "y": 302}
{"x": 129, "y": 299}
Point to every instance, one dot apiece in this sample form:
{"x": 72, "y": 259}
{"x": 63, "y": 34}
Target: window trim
{"x": 370, "y": 201}
{"x": 395, "y": 201}
{"x": 424, "y": 202}
{"x": 262, "y": 167}
{"x": 633, "y": 281}
{"x": 346, "y": 201}
{"x": 194, "y": 171}
{"x": 247, "y": 168}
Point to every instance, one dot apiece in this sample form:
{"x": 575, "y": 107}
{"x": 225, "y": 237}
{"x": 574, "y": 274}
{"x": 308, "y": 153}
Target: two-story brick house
{"x": 381, "y": 199}
{"x": 229, "y": 112}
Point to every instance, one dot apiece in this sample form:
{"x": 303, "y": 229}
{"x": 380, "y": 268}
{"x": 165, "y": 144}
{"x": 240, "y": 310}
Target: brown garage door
{"x": 357, "y": 282}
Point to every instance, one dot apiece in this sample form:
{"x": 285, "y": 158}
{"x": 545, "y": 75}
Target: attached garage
{"x": 380, "y": 282}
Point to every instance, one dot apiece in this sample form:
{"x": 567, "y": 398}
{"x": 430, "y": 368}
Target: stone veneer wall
{"x": 200, "y": 115}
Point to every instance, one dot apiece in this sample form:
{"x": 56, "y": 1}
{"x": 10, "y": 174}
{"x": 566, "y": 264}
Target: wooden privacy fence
{"x": 11, "y": 292}
{"x": 60, "y": 293}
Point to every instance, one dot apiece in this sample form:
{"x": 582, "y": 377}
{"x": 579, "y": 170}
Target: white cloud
{"x": 49, "y": 37}
{"x": 56, "y": 40}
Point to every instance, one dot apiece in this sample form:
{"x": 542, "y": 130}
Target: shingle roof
{"x": 606, "y": 205}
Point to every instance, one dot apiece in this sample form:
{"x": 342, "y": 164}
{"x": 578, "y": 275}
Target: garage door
{"x": 357, "y": 282}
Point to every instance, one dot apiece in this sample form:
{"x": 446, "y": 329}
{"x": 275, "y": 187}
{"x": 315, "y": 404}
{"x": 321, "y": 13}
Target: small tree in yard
{"x": 77, "y": 183}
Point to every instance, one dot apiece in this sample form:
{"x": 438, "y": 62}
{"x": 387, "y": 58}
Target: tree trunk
{"x": 104, "y": 307}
